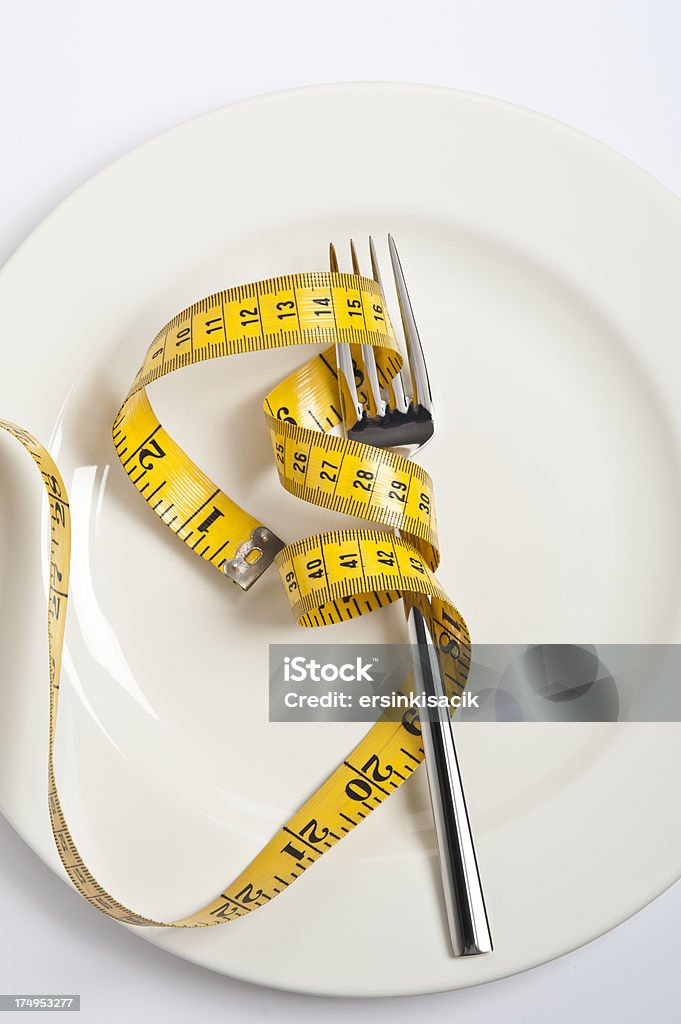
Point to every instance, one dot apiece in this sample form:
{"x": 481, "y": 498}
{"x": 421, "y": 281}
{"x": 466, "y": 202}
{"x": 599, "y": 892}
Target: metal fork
{"x": 408, "y": 423}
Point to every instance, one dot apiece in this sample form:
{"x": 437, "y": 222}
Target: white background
{"x": 80, "y": 84}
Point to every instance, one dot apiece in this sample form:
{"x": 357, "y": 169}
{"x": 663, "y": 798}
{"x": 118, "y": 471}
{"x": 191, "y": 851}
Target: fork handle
{"x": 464, "y": 900}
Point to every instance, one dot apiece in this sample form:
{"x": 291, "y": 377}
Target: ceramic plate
{"x": 544, "y": 275}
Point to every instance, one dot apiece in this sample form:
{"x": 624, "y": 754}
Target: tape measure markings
{"x": 328, "y": 578}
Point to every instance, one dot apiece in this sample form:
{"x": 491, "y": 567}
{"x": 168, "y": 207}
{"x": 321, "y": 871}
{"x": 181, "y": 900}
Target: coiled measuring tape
{"x": 328, "y": 578}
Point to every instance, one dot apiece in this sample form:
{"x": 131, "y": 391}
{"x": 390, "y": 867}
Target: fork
{"x": 408, "y": 423}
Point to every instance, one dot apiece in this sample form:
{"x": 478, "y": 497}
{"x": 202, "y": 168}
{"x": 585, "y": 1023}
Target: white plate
{"x": 544, "y": 275}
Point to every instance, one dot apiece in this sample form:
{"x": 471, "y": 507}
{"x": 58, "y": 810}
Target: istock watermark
{"x": 299, "y": 669}
{"x": 507, "y": 683}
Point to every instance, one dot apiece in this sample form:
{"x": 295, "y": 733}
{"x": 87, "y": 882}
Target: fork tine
{"x": 368, "y": 355}
{"x": 417, "y": 362}
{"x": 346, "y": 371}
{"x": 355, "y": 261}
{"x": 374, "y": 263}
{"x": 396, "y": 385}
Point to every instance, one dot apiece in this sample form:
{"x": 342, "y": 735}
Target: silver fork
{"x": 408, "y": 423}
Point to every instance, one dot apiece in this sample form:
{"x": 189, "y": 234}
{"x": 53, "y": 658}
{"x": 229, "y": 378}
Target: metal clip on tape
{"x": 252, "y": 557}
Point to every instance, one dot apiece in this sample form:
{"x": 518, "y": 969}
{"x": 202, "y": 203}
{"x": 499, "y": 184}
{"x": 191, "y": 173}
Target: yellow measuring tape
{"x": 328, "y": 578}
